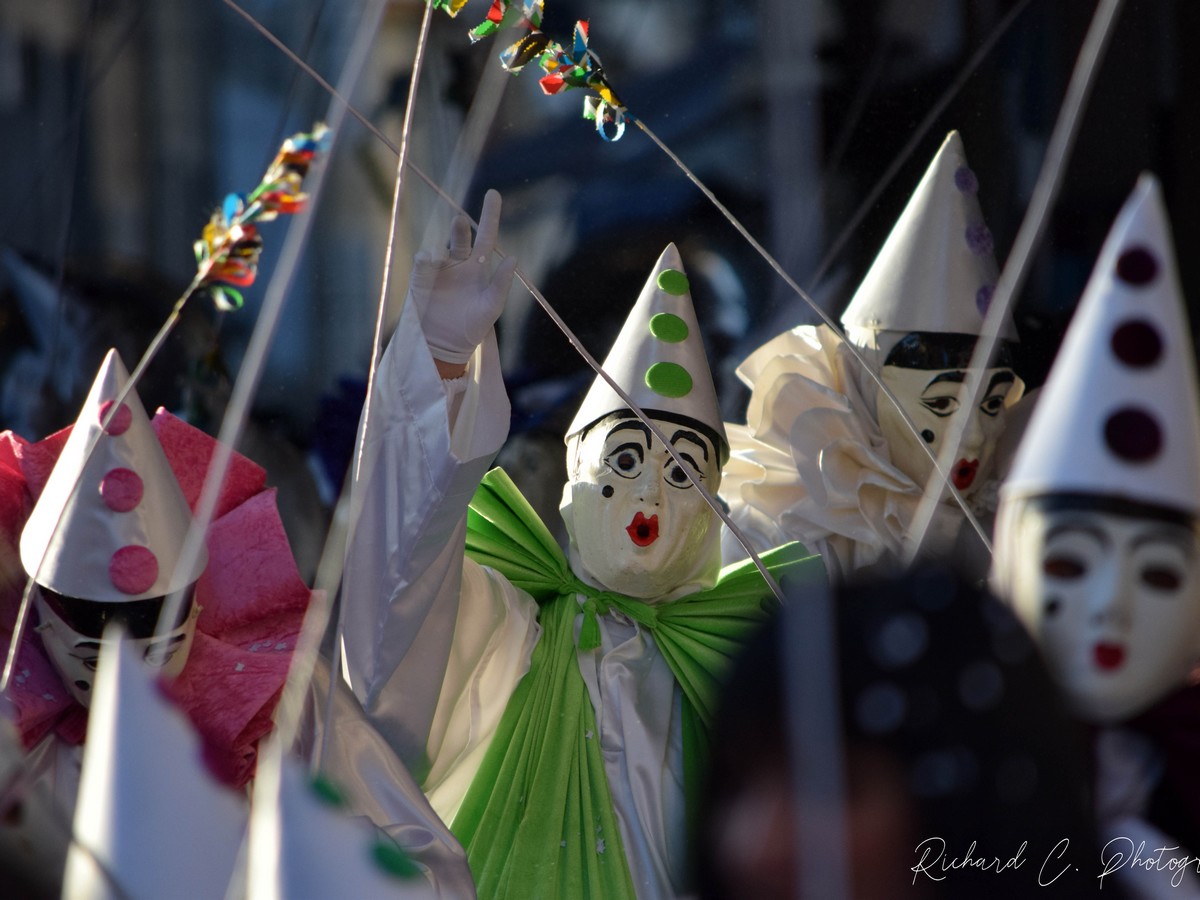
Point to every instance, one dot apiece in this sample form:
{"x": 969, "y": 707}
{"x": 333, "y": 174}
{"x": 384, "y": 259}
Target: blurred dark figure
{"x": 961, "y": 772}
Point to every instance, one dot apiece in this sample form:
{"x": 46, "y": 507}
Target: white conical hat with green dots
{"x": 937, "y": 269}
{"x": 152, "y": 817}
{"x": 110, "y": 523}
{"x": 1118, "y": 415}
{"x": 658, "y": 358}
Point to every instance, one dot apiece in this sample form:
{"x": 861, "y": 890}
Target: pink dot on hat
{"x": 133, "y": 569}
{"x": 121, "y": 489}
{"x": 121, "y": 418}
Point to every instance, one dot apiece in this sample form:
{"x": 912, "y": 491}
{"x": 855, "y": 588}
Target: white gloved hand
{"x": 459, "y": 297}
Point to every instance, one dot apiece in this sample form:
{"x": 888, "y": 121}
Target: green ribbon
{"x": 538, "y": 819}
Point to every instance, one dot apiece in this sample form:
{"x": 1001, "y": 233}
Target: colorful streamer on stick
{"x": 228, "y": 251}
{"x": 577, "y": 67}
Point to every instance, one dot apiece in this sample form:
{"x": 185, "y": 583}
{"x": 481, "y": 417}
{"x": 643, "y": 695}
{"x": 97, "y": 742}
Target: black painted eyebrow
{"x": 693, "y": 437}
{"x": 1001, "y": 378}
{"x": 957, "y": 376}
{"x": 630, "y": 425}
{"x": 1095, "y": 533}
{"x": 1168, "y": 534}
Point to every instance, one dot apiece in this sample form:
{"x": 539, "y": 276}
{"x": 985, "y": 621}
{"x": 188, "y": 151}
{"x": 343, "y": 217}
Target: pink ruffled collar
{"x": 251, "y": 596}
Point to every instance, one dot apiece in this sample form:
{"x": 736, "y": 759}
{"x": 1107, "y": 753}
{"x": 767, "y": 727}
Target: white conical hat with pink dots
{"x": 109, "y": 527}
{"x": 658, "y": 359}
{"x": 1120, "y": 414}
{"x": 937, "y": 269}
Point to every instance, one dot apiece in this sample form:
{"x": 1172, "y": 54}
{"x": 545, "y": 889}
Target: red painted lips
{"x": 964, "y": 473}
{"x": 643, "y": 531}
{"x": 1109, "y": 656}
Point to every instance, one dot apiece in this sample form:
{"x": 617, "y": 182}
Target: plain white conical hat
{"x": 658, "y": 358}
{"x": 303, "y": 844}
{"x": 1118, "y": 415}
{"x": 118, "y": 536}
{"x": 937, "y": 269}
{"x": 148, "y": 810}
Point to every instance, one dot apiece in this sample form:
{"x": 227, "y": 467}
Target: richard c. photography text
{"x": 937, "y": 861}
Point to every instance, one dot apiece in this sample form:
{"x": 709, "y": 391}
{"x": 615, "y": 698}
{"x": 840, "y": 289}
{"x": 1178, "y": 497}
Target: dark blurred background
{"x": 124, "y": 122}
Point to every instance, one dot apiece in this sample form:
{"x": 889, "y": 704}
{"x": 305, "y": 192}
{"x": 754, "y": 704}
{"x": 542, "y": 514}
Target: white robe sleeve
{"x": 405, "y": 549}
{"x": 377, "y": 785}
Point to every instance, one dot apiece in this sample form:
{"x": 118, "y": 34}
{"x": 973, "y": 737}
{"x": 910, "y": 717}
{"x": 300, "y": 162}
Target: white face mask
{"x": 640, "y": 526}
{"x": 74, "y": 655}
{"x": 1114, "y": 602}
{"x": 931, "y": 397}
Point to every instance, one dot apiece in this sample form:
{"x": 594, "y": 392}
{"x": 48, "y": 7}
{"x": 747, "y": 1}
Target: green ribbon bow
{"x": 538, "y": 819}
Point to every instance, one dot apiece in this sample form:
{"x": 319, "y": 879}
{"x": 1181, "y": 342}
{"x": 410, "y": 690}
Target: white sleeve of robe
{"x": 432, "y": 660}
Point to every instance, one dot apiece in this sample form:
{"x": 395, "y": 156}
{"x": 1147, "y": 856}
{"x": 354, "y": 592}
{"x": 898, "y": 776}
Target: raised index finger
{"x": 489, "y": 224}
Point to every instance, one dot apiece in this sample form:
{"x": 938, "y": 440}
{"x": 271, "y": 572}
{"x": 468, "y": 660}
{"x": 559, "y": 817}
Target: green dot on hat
{"x": 669, "y": 379}
{"x": 673, "y": 282}
{"x": 394, "y": 861}
{"x": 669, "y": 328}
{"x": 326, "y": 791}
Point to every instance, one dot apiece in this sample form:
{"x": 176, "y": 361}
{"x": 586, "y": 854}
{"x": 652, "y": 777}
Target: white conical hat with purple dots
{"x": 658, "y": 358}
{"x": 937, "y": 270}
{"x": 118, "y": 536}
{"x": 1119, "y": 414}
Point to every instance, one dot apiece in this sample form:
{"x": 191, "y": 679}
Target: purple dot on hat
{"x": 983, "y": 299}
{"x": 121, "y": 418}
{"x": 1133, "y": 434}
{"x": 965, "y": 180}
{"x": 133, "y": 569}
{"x": 1137, "y": 266}
{"x": 1137, "y": 343}
{"x": 121, "y": 489}
{"x": 979, "y": 239}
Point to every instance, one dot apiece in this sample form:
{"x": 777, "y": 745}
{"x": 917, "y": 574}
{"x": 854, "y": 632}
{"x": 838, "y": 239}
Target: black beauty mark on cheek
{"x": 927, "y": 436}
{"x": 607, "y": 490}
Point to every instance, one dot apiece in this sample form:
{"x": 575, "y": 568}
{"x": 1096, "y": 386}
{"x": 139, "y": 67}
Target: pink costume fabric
{"x": 251, "y": 596}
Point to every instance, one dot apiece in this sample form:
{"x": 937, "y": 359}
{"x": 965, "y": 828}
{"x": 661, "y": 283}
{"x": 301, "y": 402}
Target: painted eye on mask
{"x": 940, "y": 406}
{"x": 676, "y": 477}
{"x": 626, "y": 461}
{"x": 1161, "y": 578}
{"x": 1065, "y": 568}
{"x": 991, "y": 406}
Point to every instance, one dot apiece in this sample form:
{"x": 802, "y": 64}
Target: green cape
{"x": 538, "y": 819}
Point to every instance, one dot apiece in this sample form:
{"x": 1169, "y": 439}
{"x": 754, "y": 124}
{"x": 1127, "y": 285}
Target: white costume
{"x": 1097, "y": 546}
{"x": 823, "y": 458}
{"x": 435, "y": 644}
{"x": 249, "y": 605}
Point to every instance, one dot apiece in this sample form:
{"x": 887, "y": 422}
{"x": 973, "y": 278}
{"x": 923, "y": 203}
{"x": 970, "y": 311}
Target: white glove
{"x": 459, "y": 297}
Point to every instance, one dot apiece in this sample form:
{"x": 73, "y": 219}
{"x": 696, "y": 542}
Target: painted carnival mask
{"x": 1112, "y": 596}
{"x": 927, "y": 373}
{"x": 72, "y": 634}
{"x": 640, "y": 526}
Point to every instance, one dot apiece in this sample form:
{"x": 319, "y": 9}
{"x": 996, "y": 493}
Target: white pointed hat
{"x": 658, "y": 358}
{"x": 937, "y": 270}
{"x": 118, "y": 535}
{"x": 1119, "y": 414}
{"x": 148, "y": 811}
{"x": 304, "y": 844}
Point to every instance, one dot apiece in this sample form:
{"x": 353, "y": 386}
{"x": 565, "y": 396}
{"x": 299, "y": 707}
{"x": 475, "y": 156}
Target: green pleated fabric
{"x": 538, "y": 820}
